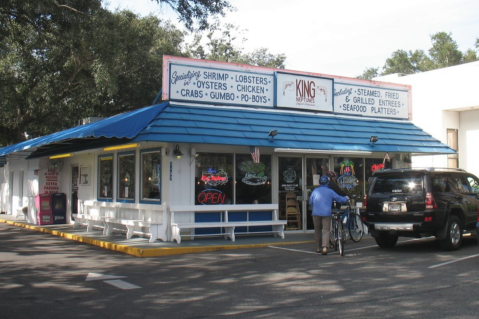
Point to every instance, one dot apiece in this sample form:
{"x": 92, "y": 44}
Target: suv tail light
{"x": 430, "y": 202}
{"x": 365, "y": 202}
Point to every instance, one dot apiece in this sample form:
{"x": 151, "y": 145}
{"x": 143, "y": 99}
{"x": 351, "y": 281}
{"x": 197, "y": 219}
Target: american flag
{"x": 386, "y": 157}
{"x": 254, "y": 150}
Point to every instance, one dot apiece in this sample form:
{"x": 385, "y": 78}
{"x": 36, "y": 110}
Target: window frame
{"x": 124, "y": 199}
{"x": 99, "y": 198}
{"x": 140, "y": 197}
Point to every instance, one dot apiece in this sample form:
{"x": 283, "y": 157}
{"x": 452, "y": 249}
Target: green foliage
{"x": 59, "y": 64}
{"x": 61, "y": 61}
{"x": 190, "y": 11}
{"x": 443, "y": 53}
{"x": 406, "y": 62}
{"x": 222, "y": 45}
{"x": 369, "y": 74}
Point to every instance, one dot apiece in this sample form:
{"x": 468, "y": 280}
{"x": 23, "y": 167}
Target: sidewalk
{"x": 140, "y": 247}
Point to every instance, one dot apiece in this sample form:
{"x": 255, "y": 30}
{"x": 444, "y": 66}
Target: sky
{"x": 342, "y": 37}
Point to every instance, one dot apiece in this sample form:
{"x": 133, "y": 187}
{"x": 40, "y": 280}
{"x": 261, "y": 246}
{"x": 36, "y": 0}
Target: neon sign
{"x": 211, "y": 197}
{"x": 376, "y": 167}
{"x": 213, "y": 177}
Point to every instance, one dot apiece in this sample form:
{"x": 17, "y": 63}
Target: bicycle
{"x": 338, "y": 231}
{"x": 352, "y": 222}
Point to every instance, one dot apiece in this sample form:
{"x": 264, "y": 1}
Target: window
{"x": 214, "y": 179}
{"x": 126, "y": 176}
{"x": 253, "y": 180}
{"x": 105, "y": 177}
{"x": 151, "y": 175}
{"x": 474, "y": 184}
{"x": 350, "y": 173}
{"x": 398, "y": 184}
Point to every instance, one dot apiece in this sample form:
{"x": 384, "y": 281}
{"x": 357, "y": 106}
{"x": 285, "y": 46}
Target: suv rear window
{"x": 398, "y": 184}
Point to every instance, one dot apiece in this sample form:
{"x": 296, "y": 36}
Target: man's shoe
{"x": 325, "y": 251}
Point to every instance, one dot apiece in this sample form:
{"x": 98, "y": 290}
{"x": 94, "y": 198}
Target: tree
{"x": 444, "y": 51}
{"x": 221, "y": 45}
{"x": 36, "y": 38}
{"x": 199, "y": 10}
{"x": 369, "y": 74}
{"x": 406, "y": 62}
{"x": 72, "y": 62}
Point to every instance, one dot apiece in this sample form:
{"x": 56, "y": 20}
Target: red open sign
{"x": 211, "y": 197}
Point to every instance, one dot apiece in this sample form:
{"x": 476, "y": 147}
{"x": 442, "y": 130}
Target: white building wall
{"x": 469, "y": 141}
{"x": 443, "y": 99}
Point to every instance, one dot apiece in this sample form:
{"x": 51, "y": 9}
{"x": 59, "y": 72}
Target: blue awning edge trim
{"x": 224, "y": 125}
{"x": 124, "y": 125}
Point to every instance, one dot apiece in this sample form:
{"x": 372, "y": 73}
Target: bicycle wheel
{"x": 341, "y": 239}
{"x": 332, "y": 236}
{"x": 356, "y": 229}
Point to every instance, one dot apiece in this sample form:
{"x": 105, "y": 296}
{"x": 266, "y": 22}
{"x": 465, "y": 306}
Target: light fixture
{"x": 120, "y": 147}
{"x": 373, "y": 139}
{"x": 272, "y": 134}
{"x": 61, "y": 156}
{"x": 177, "y": 152}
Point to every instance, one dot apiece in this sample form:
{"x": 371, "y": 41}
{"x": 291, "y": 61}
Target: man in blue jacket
{"x": 321, "y": 200}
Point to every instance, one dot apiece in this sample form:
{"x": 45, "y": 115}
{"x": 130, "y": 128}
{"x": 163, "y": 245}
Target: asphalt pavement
{"x": 45, "y": 276}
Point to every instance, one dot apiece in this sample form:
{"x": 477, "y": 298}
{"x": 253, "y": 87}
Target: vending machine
{"x": 59, "y": 208}
{"x": 43, "y": 205}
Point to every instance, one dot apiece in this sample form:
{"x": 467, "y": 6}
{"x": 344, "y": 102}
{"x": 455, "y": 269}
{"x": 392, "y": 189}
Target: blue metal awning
{"x": 185, "y": 123}
{"x": 120, "y": 127}
{"x": 296, "y": 130}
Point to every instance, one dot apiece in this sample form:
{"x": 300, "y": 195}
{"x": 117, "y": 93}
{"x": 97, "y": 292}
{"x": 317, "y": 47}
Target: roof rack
{"x": 433, "y": 169}
{"x": 430, "y": 169}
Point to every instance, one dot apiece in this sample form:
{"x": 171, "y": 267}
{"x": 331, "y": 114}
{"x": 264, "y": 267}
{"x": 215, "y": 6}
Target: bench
{"x": 156, "y": 230}
{"x": 138, "y": 219}
{"x": 88, "y": 220}
{"x": 228, "y": 226}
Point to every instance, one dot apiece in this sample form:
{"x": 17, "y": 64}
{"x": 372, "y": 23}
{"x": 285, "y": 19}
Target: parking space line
{"x": 296, "y": 250}
{"x": 315, "y": 253}
{"x": 453, "y": 261}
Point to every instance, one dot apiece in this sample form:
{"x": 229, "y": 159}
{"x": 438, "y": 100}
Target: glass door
{"x": 298, "y": 177}
{"x": 290, "y": 178}
{"x": 315, "y": 167}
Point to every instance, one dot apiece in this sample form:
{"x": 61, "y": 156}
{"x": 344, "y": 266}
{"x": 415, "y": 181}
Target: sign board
{"x": 371, "y": 101}
{"x": 49, "y": 182}
{"x": 304, "y": 92}
{"x": 221, "y": 83}
{"x": 220, "y": 86}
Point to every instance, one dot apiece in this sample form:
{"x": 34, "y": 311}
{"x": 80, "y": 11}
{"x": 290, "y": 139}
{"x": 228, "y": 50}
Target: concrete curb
{"x": 144, "y": 252}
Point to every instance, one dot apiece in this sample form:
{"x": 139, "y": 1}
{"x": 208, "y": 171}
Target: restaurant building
{"x": 223, "y": 134}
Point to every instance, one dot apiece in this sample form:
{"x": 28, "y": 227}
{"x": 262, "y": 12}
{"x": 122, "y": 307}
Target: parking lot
{"x": 49, "y": 277}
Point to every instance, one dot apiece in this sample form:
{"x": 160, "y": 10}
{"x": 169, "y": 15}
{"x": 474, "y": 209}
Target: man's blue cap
{"x": 324, "y": 180}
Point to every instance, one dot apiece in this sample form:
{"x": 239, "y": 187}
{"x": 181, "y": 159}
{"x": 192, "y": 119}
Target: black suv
{"x": 422, "y": 202}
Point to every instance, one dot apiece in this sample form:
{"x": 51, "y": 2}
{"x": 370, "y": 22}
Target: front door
{"x": 290, "y": 179}
{"x": 298, "y": 176}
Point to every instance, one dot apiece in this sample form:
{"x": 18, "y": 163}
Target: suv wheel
{"x": 385, "y": 240}
{"x": 453, "y": 238}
